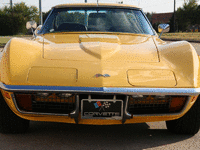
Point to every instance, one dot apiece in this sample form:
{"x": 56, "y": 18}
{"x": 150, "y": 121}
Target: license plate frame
{"x": 101, "y": 109}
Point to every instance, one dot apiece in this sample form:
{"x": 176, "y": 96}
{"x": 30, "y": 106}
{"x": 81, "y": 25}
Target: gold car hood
{"x": 98, "y": 47}
{"x": 29, "y": 62}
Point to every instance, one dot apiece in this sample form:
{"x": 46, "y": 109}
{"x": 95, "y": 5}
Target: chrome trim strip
{"x": 49, "y": 88}
{"x": 127, "y": 91}
{"x": 154, "y": 33}
{"x": 126, "y": 108}
{"x": 154, "y": 91}
{"x": 75, "y": 113}
{"x": 44, "y": 24}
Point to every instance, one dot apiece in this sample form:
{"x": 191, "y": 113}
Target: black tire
{"x": 9, "y": 122}
{"x": 189, "y": 123}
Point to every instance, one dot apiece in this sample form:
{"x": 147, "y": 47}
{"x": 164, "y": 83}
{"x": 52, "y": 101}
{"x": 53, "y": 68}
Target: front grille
{"x": 65, "y": 103}
{"x": 49, "y": 103}
{"x": 149, "y": 105}
{"x": 53, "y": 104}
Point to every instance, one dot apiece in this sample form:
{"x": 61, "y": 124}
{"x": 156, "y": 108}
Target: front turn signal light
{"x": 177, "y": 103}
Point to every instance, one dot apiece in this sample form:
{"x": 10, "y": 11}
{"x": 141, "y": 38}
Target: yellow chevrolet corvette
{"x": 99, "y": 64}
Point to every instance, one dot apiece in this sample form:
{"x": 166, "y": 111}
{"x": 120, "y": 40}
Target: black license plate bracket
{"x": 101, "y": 109}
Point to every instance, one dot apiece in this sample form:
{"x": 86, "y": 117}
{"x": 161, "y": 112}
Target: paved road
{"x": 197, "y": 47}
{"x": 43, "y": 135}
{"x": 49, "y": 136}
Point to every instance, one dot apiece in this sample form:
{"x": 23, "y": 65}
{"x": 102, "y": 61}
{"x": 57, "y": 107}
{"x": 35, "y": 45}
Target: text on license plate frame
{"x": 101, "y": 109}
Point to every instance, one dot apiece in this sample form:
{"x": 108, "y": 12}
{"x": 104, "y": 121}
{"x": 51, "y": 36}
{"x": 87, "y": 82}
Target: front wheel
{"x": 9, "y": 122}
{"x": 187, "y": 124}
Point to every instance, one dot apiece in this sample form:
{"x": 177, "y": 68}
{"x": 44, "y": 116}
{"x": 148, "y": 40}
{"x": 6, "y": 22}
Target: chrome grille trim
{"x": 36, "y": 113}
{"x": 153, "y": 106}
{"x": 126, "y": 108}
{"x": 166, "y": 114}
{"x": 52, "y": 103}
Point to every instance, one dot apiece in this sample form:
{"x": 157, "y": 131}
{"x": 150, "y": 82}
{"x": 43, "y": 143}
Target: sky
{"x": 156, "y": 6}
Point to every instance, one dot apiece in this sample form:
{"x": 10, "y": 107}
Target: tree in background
{"x": 187, "y": 15}
{"x": 45, "y": 15}
{"x": 13, "y": 21}
{"x": 171, "y": 23}
{"x": 149, "y": 16}
{"x": 121, "y": 2}
{"x": 198, "y": 15}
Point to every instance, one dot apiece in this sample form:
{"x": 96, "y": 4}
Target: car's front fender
{"x": 182, "y": 58}
{"x": 17, "y": 58}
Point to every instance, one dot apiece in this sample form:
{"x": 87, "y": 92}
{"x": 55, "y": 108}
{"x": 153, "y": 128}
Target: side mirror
{"x": 38, "y": 29}
{"x": 31, "y": 24}
{"x": 163, "y": 28}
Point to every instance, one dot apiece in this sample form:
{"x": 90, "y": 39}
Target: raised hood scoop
{"x": 97, "y": 47}
{"x": 100, "y": 46}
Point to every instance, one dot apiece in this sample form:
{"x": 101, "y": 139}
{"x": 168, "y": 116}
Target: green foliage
{"x": 182, "y": 36}
{"x": 188, "y": 15}
{"x": 171, "y": 23}
{"x": 149, "y": 16}
{"x": 197, "y": 15}
{"x": 45, "y": 15}
{"x": 121, "y": 2}
{"x": 3, "y": 41}
{"x": 13, "y": 21}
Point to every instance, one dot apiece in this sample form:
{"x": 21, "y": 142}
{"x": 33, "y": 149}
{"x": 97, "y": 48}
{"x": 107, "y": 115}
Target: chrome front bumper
{"x": 103, "y": 90}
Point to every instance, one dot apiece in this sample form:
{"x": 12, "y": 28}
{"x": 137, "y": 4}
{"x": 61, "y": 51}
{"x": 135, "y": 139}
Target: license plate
{"x": 101, "y": 109}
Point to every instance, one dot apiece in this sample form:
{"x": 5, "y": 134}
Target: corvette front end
{"x": 101, "y": 65}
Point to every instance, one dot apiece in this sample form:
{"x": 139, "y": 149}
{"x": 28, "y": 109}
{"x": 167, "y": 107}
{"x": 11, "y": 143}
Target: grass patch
{"x": 182, "y": 35}
{"x": 3, "y": 41}
{"x": 21, "y": 35}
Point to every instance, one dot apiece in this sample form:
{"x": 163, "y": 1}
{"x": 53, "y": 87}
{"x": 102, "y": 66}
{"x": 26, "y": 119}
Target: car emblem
{"x": 101, "y": 75}
{"x": 101, "y": 106}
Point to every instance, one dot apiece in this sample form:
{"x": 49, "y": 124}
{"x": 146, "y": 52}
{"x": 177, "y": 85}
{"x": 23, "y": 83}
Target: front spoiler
{"x": 103, "y": 90}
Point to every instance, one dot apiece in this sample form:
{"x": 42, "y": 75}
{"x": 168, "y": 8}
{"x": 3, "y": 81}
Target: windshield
{"x": 97, "y": 20}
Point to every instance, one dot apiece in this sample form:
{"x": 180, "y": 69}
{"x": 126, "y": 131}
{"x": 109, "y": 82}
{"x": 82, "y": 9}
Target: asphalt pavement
{"x": 197, "y": 47}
